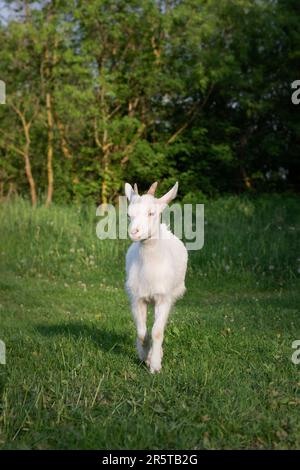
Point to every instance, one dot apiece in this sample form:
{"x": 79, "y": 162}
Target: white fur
{"x": 155, "y": 267}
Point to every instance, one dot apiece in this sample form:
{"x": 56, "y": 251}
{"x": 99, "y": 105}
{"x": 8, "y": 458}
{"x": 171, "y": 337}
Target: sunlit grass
{"x": 72, "y": 379}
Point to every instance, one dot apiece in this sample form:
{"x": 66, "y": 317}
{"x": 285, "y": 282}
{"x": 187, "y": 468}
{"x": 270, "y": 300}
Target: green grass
{"x": 72, "y": 379}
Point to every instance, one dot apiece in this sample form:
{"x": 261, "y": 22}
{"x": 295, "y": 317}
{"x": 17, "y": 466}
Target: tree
{"x": 108, "y": 90}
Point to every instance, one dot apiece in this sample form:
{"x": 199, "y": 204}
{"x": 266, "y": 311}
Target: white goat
{"x": 155, "y": 267}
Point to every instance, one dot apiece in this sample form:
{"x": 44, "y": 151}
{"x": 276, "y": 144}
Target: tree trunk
{"x": 105, "y": 177}
{"x": 26, "y": 154}
{"x": 50, "y": 151}
{"x": 246, "y": 178}
{"x": 105, "y": 163}
{"x": 242, "y": 157}
{"x": 63, "y": 141}
{"x": 28, "y": 168}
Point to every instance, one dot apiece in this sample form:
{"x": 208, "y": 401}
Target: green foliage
{"x": 193, "y": 90}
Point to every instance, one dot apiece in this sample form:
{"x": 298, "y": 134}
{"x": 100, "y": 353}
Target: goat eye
{"x": 150, "y": 213}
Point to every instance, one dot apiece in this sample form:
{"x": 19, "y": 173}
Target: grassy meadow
{"x": 72, "y": 378}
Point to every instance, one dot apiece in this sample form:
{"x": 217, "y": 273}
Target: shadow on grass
{"x": 108, "y": 341}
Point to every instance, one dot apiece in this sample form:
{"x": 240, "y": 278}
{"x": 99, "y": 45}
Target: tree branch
{"x": 193, "y": 114}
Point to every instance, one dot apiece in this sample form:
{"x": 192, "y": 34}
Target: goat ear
{"x": 169, "y": 196}
{"x": 128, "y": 191}
{"x": 152, "y": 188}
{"x": 135, "y": 187}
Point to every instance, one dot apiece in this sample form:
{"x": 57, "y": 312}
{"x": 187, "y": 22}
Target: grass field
{"x": 72, "y": 378}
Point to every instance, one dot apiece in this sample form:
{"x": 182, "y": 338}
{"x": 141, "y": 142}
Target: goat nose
{"x": 134, "y": 233}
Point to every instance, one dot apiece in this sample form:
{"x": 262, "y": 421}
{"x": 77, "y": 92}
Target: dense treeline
{"x": 101, "y": 91}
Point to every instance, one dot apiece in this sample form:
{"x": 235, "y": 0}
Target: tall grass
{"x": 260, "y": 236}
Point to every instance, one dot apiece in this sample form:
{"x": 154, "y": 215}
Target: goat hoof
{"x": 154, "y": 365}
{"x": 154, "y": 368}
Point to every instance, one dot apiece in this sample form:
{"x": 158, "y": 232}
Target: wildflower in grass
{"x": 83, "y": 285}
{"x": 226, "y": 331}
